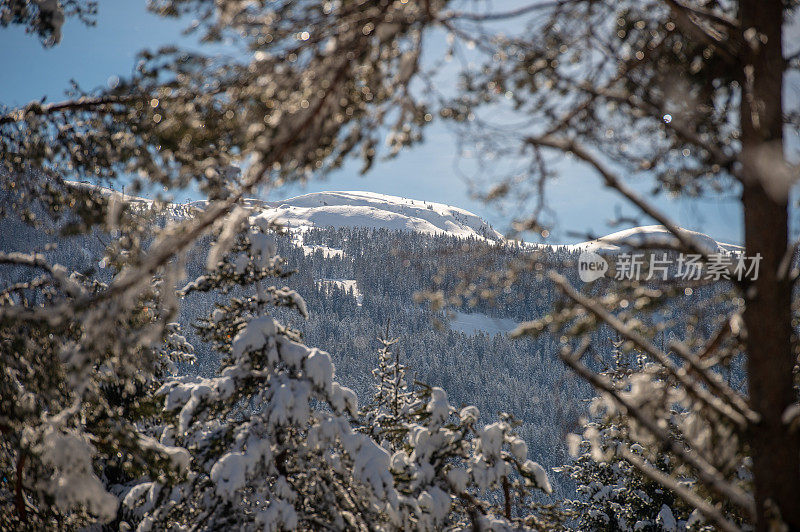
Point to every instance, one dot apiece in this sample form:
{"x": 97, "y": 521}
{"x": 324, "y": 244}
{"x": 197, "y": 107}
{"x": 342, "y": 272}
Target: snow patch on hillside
{"x": 107, "y": 191}
{"x": 474, "y": 322}
{"x": 343, "y": 284}
{"x": 380, "y": 211}
{"x": 327, "y": 252}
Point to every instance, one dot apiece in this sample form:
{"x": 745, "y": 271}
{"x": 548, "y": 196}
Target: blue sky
{"x": 92, "y": 55}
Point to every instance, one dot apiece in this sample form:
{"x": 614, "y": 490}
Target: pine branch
{"x": 709, "y": 474}
{"x": 81, "y": 104}
{"x": 679, "y": 374}
{"x": 691, "y": 498}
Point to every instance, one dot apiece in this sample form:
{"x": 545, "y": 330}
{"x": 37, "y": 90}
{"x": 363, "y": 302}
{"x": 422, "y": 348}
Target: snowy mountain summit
{"x": 653, "y": 236}
{"x": 370, "y": 209}
{"x": 381, "y": 211}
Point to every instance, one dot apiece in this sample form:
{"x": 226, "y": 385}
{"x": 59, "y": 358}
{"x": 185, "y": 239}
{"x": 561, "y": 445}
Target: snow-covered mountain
{"x": 106, "y": 191}
{"x": 369, "y": 209}
{"x": 652, "y": 236}
{"x": 382, "y": 211}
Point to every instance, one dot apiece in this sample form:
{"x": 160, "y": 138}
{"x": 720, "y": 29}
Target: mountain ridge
{"x": 384, "y": 211}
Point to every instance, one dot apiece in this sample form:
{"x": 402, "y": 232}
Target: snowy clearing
{"x": 475, "y": 322}
{"x": 344, "y": 284}
{"x": 327, "y": 252}
{"x": 652, "y": 236}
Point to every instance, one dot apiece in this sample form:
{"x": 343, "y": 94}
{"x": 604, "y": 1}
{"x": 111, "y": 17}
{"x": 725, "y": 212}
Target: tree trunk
{"x": 775, "y": 449}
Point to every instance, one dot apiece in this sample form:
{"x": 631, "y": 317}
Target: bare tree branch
{"x": 686, "y": 19}
{"x": 484, "y": 17}
{"x": 656, "y": 111}
{"x": 613, "y": 181}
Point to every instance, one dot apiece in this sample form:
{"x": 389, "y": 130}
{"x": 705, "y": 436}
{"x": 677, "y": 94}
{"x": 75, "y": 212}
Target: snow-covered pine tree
{"x": 451, "y": 472}
{"x": 385, "y": 416}
{"x": 613, "y": 495}
{"x": 270, "y": 436}
{"x": 455, "y": 473}
{"x": 75, "y": 400}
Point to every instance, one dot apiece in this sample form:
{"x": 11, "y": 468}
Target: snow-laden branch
{"x": 37, "y": 260}
{"x": 684, "y": 493}
{"x": 679, "y": 374}
{"x": 706, "y": 471}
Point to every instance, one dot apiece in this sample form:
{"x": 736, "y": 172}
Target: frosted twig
{"x": 713, "y": 381}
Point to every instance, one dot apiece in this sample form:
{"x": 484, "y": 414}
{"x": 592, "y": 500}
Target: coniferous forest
{"x": 178, "y": 352}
